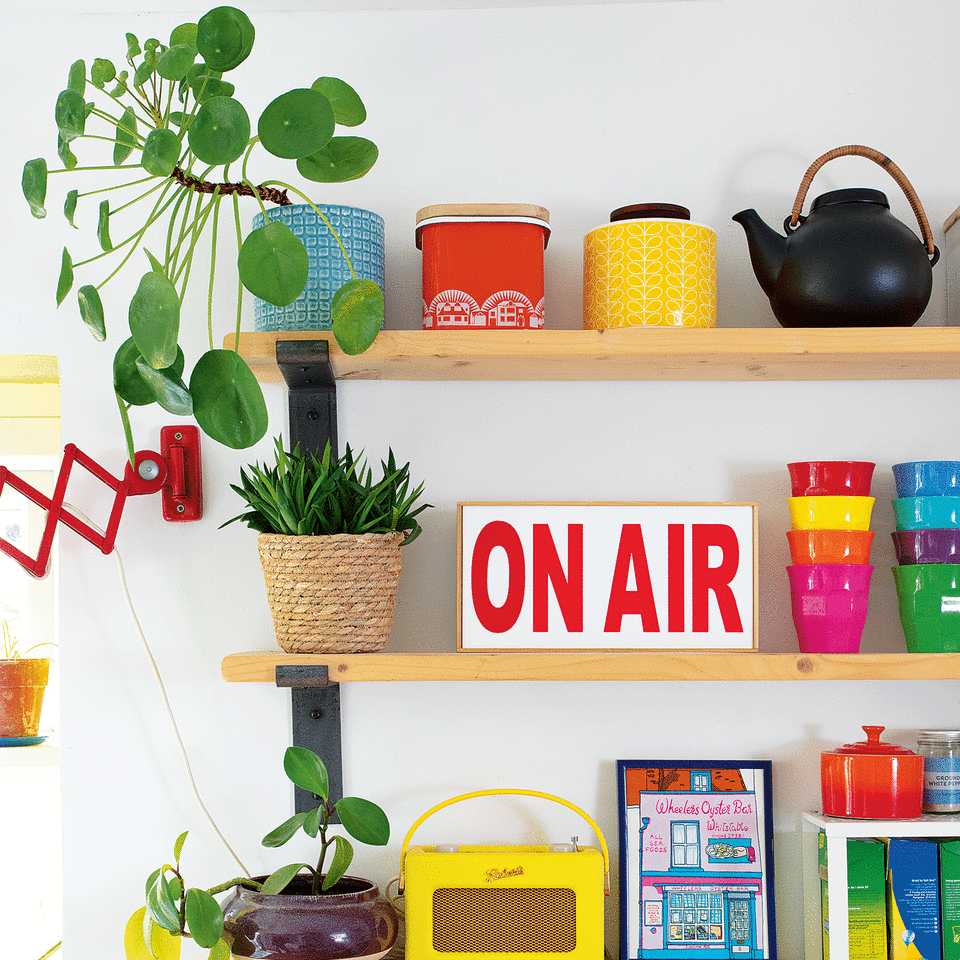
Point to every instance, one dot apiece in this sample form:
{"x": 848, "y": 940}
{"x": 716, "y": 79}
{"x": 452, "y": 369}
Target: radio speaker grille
{"x": 504, "y": 920}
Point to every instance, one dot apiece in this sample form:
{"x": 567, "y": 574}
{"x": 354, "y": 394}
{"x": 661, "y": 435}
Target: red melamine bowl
{"x": 831, "y": 478}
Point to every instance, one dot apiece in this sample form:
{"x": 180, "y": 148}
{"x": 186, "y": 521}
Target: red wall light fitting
{"x": 174, "y": 473}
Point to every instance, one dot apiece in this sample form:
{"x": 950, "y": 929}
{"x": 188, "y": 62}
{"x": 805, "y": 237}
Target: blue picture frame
{"x": 696, "y": 859}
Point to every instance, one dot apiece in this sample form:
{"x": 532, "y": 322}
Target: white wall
{"x": 716, "y": 104}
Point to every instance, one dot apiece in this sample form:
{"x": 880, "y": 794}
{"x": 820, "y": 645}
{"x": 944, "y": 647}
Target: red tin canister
{"x": 483, "y": 265}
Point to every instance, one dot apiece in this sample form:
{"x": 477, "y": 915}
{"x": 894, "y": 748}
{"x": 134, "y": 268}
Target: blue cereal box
{"x": 913, "y": 899}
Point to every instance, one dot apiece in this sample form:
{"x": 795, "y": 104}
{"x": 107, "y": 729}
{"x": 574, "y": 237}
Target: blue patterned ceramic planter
{"x": 362, "y": 234}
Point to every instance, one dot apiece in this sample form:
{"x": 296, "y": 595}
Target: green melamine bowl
{"x": 928, "y": 596}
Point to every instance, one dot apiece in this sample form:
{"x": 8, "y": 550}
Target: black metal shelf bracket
{"x": 311, "y": 393}
{"x": 316, "y": 723}
{"x": 312, "y": 406}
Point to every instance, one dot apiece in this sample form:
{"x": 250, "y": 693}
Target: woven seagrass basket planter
{"x": 331, "y": 594}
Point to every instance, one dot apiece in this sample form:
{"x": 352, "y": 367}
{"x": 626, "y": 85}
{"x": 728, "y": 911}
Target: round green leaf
{"x": 155, "y": 320}
{"x": 225, "y": 37}
{"x": 77, "y": 77}
{"x": 70, "y": 207}
{"x": 126, "y": 137}
{"x": 210, "y": 87}
{"x": 220, "y": 131}
{"x": 171, "y": 392}
{"x": 343, "y": 158}
{"x": 185, "y": 33}
{"x": 297, "y": 124}
{"x": 34, "y": 184}
{"x": 363, "y": 820}
{"x": 356, "y": 313}
{"x": 348, "y": 108}
{"x": 65, "y": 153}
{"x": 71, "y": 114}
{"x": 227, "y": 400}
{"x": 102, "y": 72}
{"x": 161, "y": 151}
{"x": 204, "y": 917}
{"x": 304, "y": 768}
{"x": 174, "y": 62}
{"x": 128, "y": 379}
{"x": 103, "y": 227}
{"x": 91, "y": 309}
{"x": 274, "y": 264}
{"x": 65, "y": 281}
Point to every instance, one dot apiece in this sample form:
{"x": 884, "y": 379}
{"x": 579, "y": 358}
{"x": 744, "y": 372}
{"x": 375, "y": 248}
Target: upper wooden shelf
{"x": 636, "y": 353}
{"x": 260, "y": 666}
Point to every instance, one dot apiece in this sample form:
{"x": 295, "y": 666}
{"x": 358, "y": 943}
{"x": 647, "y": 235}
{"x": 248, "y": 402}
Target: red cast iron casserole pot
{"x": 872, "y": 780}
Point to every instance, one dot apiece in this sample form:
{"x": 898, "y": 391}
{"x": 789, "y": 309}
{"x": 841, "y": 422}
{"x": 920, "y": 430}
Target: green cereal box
{"x": 950, "y": 898}
{"x": 913, "y": 899}
{"x": 866, "y": 898}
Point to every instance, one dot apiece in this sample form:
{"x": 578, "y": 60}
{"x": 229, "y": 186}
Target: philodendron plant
{"x": 174, "y": 910}
{"x": 175, "y": 128}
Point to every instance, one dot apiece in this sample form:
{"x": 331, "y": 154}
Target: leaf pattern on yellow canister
{"x": 650, "y": 273}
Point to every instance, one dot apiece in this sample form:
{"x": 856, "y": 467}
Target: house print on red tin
{"x": 696, "y": 860}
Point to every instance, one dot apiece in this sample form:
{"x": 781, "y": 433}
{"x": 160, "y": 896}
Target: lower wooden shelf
{"x": 260, "y": 666}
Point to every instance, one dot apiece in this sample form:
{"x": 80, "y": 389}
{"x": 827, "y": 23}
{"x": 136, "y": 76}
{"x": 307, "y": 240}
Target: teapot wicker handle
{"x": 889, "y": 166}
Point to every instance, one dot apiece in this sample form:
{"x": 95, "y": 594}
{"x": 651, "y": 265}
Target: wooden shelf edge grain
{"x": 635, "y": 353}
{"x": 260, "y": 666}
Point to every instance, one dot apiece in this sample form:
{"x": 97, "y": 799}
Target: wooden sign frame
{"x": 627, "y": 576}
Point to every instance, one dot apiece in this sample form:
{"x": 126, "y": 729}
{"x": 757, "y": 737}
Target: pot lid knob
{"x": 873, "y": 745}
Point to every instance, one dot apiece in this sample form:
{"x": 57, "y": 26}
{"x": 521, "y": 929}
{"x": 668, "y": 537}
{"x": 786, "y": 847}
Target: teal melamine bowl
{"x": 928, "y": 596}
{"x": 927, "y": 513}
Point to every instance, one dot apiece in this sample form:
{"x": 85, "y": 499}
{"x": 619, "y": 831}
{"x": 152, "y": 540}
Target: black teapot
{"x": 850, "y": 262}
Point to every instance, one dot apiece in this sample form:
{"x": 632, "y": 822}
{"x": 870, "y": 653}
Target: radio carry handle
{"x": 508, "y": 792}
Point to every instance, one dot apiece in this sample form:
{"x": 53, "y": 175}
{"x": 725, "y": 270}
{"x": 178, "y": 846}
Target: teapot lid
{"x": 851, "y": 195}
{"x": 873, "y": 746}
{"x": 650, "y": 211}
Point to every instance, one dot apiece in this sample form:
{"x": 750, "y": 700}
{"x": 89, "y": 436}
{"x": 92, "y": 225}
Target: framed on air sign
{"x": 607, "y": 576}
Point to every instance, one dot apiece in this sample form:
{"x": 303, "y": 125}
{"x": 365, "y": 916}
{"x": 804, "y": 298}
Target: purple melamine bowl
{"x": 927, "y": 546}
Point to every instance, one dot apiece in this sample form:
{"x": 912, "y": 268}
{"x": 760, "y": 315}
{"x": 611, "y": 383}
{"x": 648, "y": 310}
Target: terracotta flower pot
{"x": 351, "y": 920}
{"x": 22, "y": 685}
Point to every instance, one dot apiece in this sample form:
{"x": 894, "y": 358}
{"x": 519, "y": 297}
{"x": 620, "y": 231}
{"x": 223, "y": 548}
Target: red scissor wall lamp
{"x": 174, "y": 472}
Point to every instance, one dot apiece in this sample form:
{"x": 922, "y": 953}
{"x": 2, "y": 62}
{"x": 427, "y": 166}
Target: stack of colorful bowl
{"x": 830, "y": 547}
{"x": 927, "y": 541}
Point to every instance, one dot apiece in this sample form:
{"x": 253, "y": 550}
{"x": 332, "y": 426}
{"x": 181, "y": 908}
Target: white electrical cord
{"x": 163, "y": 692}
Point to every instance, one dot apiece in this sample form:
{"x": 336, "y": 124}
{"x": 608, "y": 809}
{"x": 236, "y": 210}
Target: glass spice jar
{"x": 940, "y": 750}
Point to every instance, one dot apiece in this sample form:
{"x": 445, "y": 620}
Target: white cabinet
{"x": 837, "y": 831}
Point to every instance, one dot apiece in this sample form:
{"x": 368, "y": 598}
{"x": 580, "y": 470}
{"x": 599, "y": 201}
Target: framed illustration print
{"x": 607, "y": 576}
{"x": 696, "y": 859}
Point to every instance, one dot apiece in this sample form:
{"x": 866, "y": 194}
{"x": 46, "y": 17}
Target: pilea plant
{"x": 175, "y": 128}
{"x": 174, "y": 910}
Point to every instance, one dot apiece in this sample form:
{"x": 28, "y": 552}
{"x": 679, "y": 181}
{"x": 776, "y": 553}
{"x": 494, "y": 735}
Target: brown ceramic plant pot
{"x": 23, "y": 683}
{"x": 352, "y": 919}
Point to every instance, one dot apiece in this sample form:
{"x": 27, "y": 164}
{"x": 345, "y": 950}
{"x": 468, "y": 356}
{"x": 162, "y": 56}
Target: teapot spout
{"x": 767, "y": 248}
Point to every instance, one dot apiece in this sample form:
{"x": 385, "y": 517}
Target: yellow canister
{"x": 650, "y": 266}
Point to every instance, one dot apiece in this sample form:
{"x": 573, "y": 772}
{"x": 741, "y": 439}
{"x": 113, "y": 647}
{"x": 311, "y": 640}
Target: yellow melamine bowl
{"x": 830, "y": 513}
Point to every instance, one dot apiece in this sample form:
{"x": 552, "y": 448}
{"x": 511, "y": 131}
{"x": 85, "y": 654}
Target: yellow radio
{"x": 510, "y": 902}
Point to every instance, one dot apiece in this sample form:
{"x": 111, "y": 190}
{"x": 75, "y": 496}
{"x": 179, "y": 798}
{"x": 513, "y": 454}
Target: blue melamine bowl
{"x": 927, "y": 478}
{"x": 927, "y": 513}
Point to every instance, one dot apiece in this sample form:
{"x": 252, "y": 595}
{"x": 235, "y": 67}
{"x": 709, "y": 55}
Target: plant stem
{"x": 319, "y": 213}
{"x": 127, "y": 431}
{"x": 236, "y": 882}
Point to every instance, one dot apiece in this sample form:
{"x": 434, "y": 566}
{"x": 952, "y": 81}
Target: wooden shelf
{"x": 260, "y": 666}
{"x": 637, "y": 353}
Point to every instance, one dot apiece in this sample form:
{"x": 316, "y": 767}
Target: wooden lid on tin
{"x": 522, "y": 212}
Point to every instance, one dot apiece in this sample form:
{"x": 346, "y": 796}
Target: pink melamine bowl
{"x": 829, "y": 604}
{"x": 831, "y": 478}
